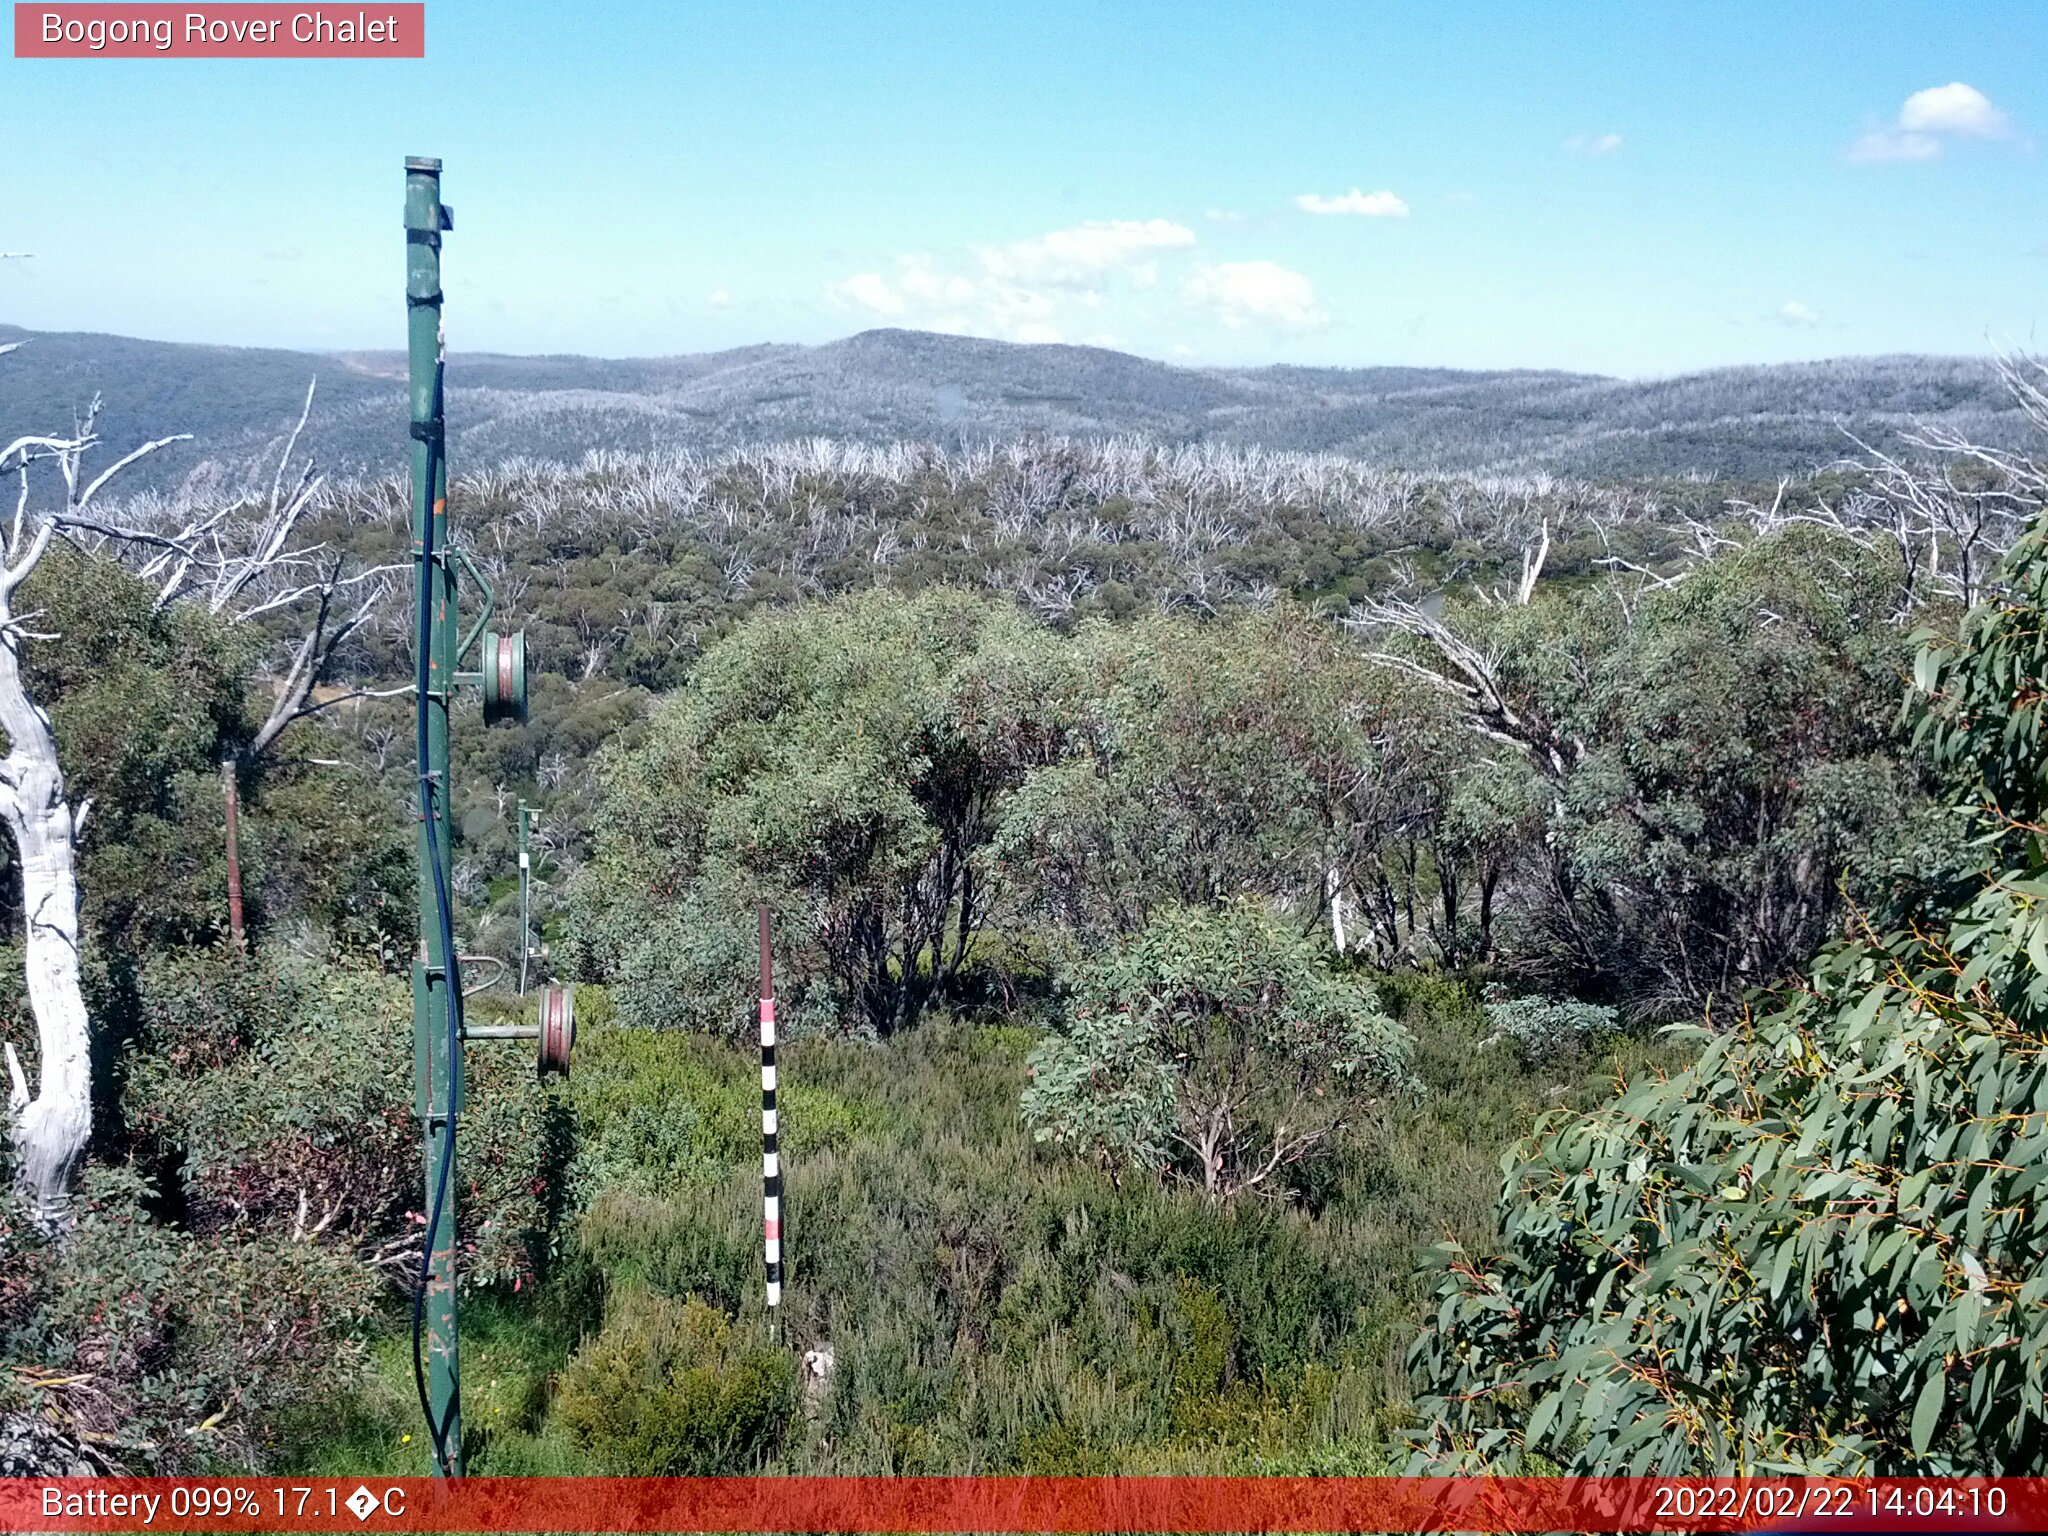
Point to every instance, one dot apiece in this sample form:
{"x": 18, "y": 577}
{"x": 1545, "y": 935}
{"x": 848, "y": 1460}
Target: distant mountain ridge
{"x": 1738, "y": 424}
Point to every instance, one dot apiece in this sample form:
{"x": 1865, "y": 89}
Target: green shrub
{"x": 1824, "y": 1246}
{"x": 1421, "y": 995}
{"x": 1256, "y": 752}
{"x": 1718, "y": 769}
{"x": 322, "y": 849}
{"x": 1217, "y": 1044}
{"x": 672, "y": 1389}
{"x": 276, "y": 1093}
{"x": 701, "y": 1241}
{"x": 656, "y": 1109}
{"x": 848, "y": 767}
{"x": 144, "y": 700}
{"x": 994, "y": 1308}
{"x": 1541, "y": 1029}
{"x": 155, "y": 1332}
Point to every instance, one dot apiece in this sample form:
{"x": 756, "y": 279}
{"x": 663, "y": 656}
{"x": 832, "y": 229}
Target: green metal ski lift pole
{"x": 436, "y": 982}
{"x": 437, "y": 1027}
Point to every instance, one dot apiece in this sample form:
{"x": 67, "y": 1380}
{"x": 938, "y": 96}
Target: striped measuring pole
{"x": 771, "y": 1157}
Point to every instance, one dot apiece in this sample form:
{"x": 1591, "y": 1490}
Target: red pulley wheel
{"x": 503, "y": 675}
{"x": 557, "y": 1029}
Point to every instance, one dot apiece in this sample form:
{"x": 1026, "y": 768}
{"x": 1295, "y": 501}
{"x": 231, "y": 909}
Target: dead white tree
{"x": 242, "y": 559}
{"x": 1467, "y": 672}
{"x": 50, "y": 1126}
{"x": 1532, "y": 567}
{"x": 1948, "y": 507}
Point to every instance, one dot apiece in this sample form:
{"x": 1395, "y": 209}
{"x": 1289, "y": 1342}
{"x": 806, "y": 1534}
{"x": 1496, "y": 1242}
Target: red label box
{"x": 1189, "y": 1506}
{"x": 370, "y": 30}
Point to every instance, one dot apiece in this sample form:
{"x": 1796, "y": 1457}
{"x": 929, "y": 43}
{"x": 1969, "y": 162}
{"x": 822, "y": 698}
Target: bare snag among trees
{"x": 243, "y": 559}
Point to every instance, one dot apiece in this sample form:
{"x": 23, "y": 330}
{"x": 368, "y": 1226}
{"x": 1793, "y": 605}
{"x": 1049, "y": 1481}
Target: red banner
{"x": 361, "y": 31}
{"x": 1004, "y": 1504}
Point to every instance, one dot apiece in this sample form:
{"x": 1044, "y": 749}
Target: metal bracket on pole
{"x": 484, "y": 614}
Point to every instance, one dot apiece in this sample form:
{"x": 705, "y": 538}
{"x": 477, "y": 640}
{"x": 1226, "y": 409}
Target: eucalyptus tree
{"x": 1210, "y": 761}
{"x": 1824, "y": 1246}
{"x": 245, "y": 560}
{"x": 1713, "y": 756}
{"x": 1215, "y": 1044}
{"x": 850, "y": 764}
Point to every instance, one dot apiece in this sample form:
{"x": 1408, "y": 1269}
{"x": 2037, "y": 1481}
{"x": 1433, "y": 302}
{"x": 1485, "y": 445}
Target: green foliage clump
{"x": 1214, "y": 1044}
{"x": 322, "y": 853}
{"x": 848, "y": 768}
{"x": 1824, "y": 1245}
{"x": 701, "y": 1238}
{"x": 672, "y": 1389}
{"x": 269, "y": 1092}
{"x": 1719, "y": 764}
{"x": 1664, "y": 807}
{"x": 143, "y": 702}
{"x": 1255, "y": 754}
{"x": 654, "y": 1108}
{"x": 179, "y": 1351}
{"x": 991, "y": 1308}
{"x": 1543, "y": 1028}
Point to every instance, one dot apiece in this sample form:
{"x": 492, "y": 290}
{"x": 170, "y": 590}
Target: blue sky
{"x": 1625, "y": 188}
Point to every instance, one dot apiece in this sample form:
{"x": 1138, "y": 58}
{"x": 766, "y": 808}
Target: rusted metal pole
{"x": 231, "y": 793}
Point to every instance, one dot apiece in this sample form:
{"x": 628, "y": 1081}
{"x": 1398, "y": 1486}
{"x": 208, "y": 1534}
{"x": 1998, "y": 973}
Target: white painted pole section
{"x": 771, "y": 1158}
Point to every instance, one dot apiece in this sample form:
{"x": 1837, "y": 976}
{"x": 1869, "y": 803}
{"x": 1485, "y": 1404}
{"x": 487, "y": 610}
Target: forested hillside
{"x": 1199, "y": 875}
{"x": 1737, "y": 424}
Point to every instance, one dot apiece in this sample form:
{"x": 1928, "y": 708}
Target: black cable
{"x": 436, "y": 1431}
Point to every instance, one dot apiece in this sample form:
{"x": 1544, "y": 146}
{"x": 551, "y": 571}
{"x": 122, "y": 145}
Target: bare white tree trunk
{"x": 51, "y": 1127}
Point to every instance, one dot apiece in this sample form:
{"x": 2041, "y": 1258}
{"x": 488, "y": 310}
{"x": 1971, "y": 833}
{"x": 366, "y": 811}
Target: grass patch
{"x": 990, "y": 1306}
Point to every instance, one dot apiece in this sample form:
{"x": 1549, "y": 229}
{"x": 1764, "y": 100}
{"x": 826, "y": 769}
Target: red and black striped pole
{"x": 771, "y": 1157}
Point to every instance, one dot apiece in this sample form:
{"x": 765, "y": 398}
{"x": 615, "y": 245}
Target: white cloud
{"x": 1597, "y": 144}
{"x": 1091, "y": 281}
{"x": 718, "y": 298}
{"x": 1930, "y": 118}
{"x": 1794, "y": 313}
{"x": 1085, "y": 253}
{"x": 1028, "y": 290}
{"x": 1953, "y": 108}
{"x": 1364, "y": 205}
{"x": 1242, "y": 292}
{"x": 1224, "y": 216}
{"x": 870, "y": 290}
{"x": 1882, "y": 144}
